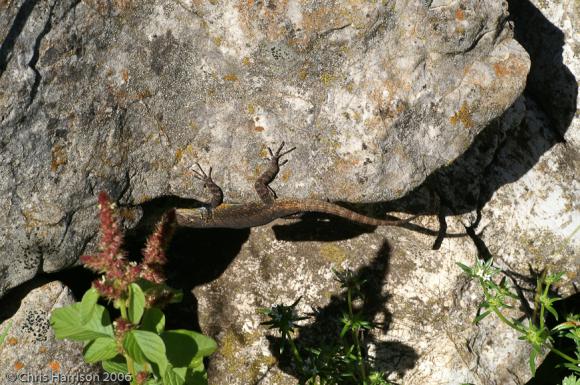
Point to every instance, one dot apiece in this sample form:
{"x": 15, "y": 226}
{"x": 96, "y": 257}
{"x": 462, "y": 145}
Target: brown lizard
{"x": 238, "y": 216}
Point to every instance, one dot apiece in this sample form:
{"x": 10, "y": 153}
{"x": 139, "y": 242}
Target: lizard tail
{"x": 316, "y": 206}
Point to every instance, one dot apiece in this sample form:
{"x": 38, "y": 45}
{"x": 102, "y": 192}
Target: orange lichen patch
{"x": 127, "y": 214}
{"x": 11, "y": 341}
{"x": 125, "y": 75}
{"x": 178, "y": 155}
{"x": 259, "y": 128}
{"x": 217, "y": 40}
{"x": 123, "y": 5}
{"x": 231, "y": 77}
{"x": 144, "y": 94}
{"x": 274, "y": 14}
{"x": 510, "y": 67}
{"x": 285, "y": 175}
{"x": 257, "y": 171}
{"x": 54, "y": 366}
{"x": 42, "y": 349}
{"x": 106, "y": 7}
{"x": 59, "y": 157}
{"x": 302, "y": 74}
{"x": 500, "y": 69}
{"x": 18, "y": 365}
{"x": 459, "y": 15}
{"x": 463, "y": 116}
{"x": 323, "y": 18}
{"x": 246, "y": 61}
{"x": 264, "y": 152}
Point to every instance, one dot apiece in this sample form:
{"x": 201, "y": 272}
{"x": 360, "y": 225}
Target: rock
{"x": 30, "y": 354}
{"x": 420, "y": 294}
{"x": 125, "y": 96}
{"x": 513, "y": 196}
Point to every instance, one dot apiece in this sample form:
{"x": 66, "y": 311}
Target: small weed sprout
{"x": 534, "y": 331}
{"x": 341, "y": 362}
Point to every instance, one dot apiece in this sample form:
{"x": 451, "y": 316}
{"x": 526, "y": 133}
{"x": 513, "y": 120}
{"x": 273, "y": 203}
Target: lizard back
{"x": 253, "y": 214}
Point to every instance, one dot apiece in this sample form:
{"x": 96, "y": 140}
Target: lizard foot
{"x": 275, "y": 156}
{"x": 265, "y": 192}
{"x": 217, "y": 195}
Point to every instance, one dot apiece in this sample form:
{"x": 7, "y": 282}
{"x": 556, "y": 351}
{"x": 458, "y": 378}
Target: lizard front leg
{"x": 217, "y": 195}
{"x": 265, "y": 192}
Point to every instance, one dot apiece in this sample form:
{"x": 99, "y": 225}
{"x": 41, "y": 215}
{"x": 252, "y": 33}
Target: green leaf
{"x": 552, "y": 310}
{"x": 117, "y": 364}
{"x": 196, "y": 376}
{"x": 136, "y": 303}
{"x": 533, "y": 354}
{"x": 572, "y": 367}
{"x": 5, "y": 332}
{"x": 152, "y": 288}
{"x": 465, "y": 268}
{"x": 173, "y": 376}
{"x": 481, "y": 316}
{"x": 185, "y": 347}
{"x": 571, "y": 380}
{"x": 143, "y": 346}
{"x": 153, "y": 320}
{"x": 88, "y": 303}
{"x": 67, "y": 323}
{"x": 100, "y": 349}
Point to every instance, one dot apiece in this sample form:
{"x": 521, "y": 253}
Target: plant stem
{"x": 355, "y": 336}
{"x": 499, "y": 313}
{"x": 508, "y": 322}
{"x": 564, "y": 355}
{"x": 295, "y": 351}
{"x": 130, "y": 364}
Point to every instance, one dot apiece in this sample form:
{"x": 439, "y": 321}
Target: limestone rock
{"x": 31, "y": 355}
{"x": 516, "y": 192}
{"x": 125, "y": 96}
{"x": 420, "y": 294}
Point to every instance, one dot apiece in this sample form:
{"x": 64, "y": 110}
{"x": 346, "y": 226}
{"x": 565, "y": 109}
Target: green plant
{"x": 5, "y": 332}
{"x": 343, "y": 361}
{"x": 571, "y": 380}
{"x": 136, "y": 345}
{"x": 497, "y": 297}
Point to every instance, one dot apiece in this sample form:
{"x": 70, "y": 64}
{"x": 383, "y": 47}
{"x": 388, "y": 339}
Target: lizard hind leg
{"x": 217, "y": 195}
{"x": 265, "y": 192}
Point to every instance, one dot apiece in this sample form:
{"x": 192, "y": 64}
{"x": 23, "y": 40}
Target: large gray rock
{"x": 30, "y": 353}
{"x": 513, "y": 195}
{"x": 125, "y": 96}
{"x": 528, "y": 222}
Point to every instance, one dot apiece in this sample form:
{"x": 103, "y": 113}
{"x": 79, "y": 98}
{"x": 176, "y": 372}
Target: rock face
{"x": 513, "y": 195}
{"x": 125, "y": 96}
{"x": 418, "y": 101}
{"x": 30, "y": 350}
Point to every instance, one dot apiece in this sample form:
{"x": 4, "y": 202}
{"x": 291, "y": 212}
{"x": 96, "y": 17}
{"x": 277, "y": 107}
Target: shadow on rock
{"x": 550, "y": 83}
{"x": 391, "y": 357}
{"x": 195, "y": 256}
{"x": 319, "y": 227}
{"x": 512, "y": 144}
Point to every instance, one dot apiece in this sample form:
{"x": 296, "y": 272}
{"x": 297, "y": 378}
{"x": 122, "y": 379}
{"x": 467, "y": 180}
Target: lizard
{"x": 217, "y": 214}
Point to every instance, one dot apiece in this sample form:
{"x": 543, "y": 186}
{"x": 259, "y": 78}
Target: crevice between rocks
{"x": 36, "y": 55}
{"x": 15, "y": 30}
